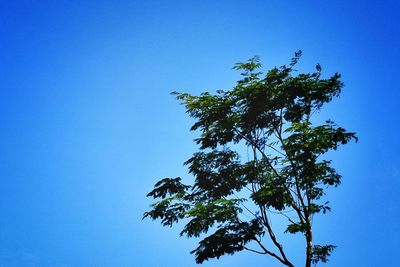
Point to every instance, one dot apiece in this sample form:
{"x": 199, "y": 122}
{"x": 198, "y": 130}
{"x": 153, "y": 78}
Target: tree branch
{"x": 286, "y": 262}
{"x": 255, "y": 251}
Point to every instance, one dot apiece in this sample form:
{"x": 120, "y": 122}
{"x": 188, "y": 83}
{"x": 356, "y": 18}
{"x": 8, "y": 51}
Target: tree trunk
{"x": 309, "y": 247}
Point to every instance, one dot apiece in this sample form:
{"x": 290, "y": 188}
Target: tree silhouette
{"x": 282, "y": 172}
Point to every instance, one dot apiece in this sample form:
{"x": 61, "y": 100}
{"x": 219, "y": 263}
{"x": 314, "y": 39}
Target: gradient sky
{"x": 87, "y": 124}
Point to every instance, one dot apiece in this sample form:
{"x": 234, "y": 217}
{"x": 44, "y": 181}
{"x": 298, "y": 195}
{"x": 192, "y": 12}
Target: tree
{"x": 283, "y": 172}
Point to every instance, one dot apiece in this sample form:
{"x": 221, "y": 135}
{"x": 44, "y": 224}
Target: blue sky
{"x": 87, "y": 124}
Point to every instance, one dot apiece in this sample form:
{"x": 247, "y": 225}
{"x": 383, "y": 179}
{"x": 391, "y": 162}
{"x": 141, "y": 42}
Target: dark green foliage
{"x": 321, "y": 253}
{"x": 205, "y": 215}
{"x": 296, "y": 227}
{"x": 218, "y": 173}
{"x": 168, "y": 186}
{"x": 227, "y": 240}
{"x": 281, "y": 172}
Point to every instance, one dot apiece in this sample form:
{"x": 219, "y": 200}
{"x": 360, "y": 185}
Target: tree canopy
{"x": 282, "y": 172}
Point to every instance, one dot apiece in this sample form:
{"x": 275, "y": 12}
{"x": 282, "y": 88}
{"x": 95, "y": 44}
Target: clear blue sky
{"x": 87, "y": 124}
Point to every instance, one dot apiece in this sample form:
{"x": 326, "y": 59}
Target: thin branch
{"x": 246, "y": 208}
{"x": 255, "y": 251}
{"x": 276, "y": 150}
{"x": 284, "y": 215}
{"x": 286, "y": 262}
{"x": 276, "y": 243}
